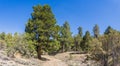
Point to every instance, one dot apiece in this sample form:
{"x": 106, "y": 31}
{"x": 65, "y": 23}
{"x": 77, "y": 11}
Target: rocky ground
{"x": 61, "y": 59}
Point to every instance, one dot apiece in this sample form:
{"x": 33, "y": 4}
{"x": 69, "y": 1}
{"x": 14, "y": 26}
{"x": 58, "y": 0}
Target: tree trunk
{"x": 76, "y": 46}
{"x": 39, "y": 53}
{"x": 105, "y": 60}
{"x": 113, "y": 59}
{"x": 63, "y": 48}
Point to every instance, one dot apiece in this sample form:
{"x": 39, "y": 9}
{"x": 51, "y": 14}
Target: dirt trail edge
{"x": 53, "y": 61}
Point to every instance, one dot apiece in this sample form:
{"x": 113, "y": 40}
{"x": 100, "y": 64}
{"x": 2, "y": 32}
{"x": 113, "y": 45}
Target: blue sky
{"x": 85, "y": 13}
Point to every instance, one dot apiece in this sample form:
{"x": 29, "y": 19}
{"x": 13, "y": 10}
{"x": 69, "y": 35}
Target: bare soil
{"x": 61, "y": 59}
{"x": 53, "y": 61}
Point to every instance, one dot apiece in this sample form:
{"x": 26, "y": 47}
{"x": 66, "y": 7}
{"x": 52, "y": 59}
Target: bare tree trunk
{"x": 105, "y": 59}
{"x": 63, "y": 48}
{"x": 76, "y": 46}
{"x": 113, "y": 59}
{"x": 39, "y": 53}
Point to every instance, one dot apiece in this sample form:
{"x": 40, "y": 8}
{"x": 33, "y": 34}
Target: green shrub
{"x": 2, "y": 44}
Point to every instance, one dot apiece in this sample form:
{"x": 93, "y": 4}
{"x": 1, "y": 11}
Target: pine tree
{"x": 86, "y": 42}
{"x": 96, "y": 31}
{"x": 2, "y": 36}
{"x": 108, "y": 30}
{"x": 43, "y": 29}
{"x": 66, "y": 37}
{"x": 78, "y": 39}
{"x": 80, "y": 31}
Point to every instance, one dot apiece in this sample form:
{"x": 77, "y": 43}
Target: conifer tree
{"x": 43, "y": 29}
{"x": 96, "y": 31}
{"x": 66, "y": 37}
{"x": 80, "y": 31}
{"x": 108, "y": 30}
{"x": 2, "y": 36}
{"x": 86, "y": 42}
{"x": 78, "y": 39}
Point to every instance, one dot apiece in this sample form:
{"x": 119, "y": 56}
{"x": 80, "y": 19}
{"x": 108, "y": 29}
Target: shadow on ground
{"x": 45, "y": 59}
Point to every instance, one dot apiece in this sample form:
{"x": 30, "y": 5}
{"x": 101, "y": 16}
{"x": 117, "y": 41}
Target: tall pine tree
{"x": 80, "y": 31}
{"x": 86, "y": 42}
{"x": 66, "y": 37}
{"x": 43, "y": 29}
{"x": 78, "y": 39}
{"x": 96, "y": 31}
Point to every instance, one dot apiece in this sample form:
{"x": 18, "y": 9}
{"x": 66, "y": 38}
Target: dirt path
{"x": 53, "y": 62}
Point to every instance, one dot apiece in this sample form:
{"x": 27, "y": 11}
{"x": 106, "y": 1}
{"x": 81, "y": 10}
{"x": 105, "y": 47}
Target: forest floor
{"x": 60, "y": 59}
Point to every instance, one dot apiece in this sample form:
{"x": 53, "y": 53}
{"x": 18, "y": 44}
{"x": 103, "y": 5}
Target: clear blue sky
{"x": 85, "y": 13}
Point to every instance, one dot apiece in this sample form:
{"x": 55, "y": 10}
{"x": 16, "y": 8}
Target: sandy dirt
{"x": 53, "y": 61}
{"x": 61, "y": 59}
